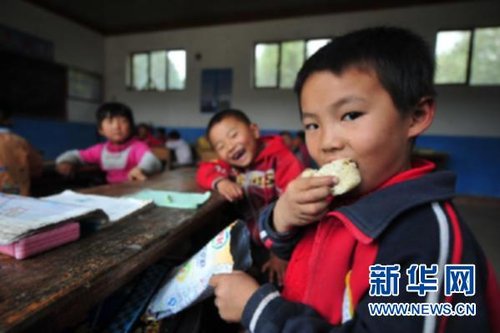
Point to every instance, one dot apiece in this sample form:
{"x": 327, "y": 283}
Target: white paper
{"x": 19, "y": 215}
{"x": 115, "y": 208}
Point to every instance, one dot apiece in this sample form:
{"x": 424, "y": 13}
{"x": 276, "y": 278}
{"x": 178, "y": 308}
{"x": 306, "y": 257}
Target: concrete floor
{"x": 483, "y": 217}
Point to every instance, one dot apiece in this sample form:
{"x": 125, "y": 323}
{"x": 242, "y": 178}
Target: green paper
{"x": 172, "y": 199}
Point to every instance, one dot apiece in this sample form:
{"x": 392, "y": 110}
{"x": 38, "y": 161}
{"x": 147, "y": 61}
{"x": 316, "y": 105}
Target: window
{"x": 468, "y": 57}
{"x": 486, "y": 57}
{"x": 157, "y": 70}
{"x": 277, "y": 64}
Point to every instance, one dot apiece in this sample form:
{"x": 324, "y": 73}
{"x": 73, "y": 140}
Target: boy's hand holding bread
{"x": 306, "y": 199}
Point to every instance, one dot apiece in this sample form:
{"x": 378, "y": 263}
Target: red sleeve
{"x": 154, "y": 142}
{"x": 288, "y": 167}
{"x": 209, "y": 172}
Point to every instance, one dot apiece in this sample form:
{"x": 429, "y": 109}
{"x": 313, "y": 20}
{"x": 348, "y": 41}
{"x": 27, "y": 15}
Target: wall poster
{"x": 216, "y": 85}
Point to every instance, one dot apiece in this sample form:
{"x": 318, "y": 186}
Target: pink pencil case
{"x": 42, "y": 241}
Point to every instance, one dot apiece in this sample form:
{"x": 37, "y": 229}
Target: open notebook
{"x": 23, "y": 216}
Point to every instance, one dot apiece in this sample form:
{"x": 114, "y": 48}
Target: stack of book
{"x": 29, "y": 226}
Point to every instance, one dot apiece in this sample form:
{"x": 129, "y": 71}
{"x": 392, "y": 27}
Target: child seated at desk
{"x": 181, "y": 149}
{"x": 123, "y": 157}
{"x": 252, "y": 168}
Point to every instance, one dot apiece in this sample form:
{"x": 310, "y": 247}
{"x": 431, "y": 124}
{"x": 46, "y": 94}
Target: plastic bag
{"x": 188, "y": 283}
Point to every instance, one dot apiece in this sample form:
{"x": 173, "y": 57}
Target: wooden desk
{"x": 56, "y": 289}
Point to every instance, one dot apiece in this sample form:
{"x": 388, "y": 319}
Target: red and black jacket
{"x": 408, "y": 220}
{"x": 262, "y": 181}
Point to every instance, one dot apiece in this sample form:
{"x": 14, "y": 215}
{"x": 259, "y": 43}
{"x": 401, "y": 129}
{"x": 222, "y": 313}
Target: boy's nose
{"x": 331, "y": 141}
{"x": 231, "y": 149}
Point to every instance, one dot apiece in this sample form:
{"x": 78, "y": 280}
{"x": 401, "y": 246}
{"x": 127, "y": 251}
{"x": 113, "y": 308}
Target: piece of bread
{"x": 345, "y": 170}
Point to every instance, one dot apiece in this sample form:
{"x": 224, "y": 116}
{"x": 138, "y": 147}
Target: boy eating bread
{"x": 393, "y": 240}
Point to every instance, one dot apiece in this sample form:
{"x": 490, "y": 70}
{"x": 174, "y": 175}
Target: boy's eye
{"x": 310, "y": 127}
{"x": 350, "y": 116}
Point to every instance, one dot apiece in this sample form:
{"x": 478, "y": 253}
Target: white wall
{"x": 74, "y": 45}
{"x": 462, "y": 110}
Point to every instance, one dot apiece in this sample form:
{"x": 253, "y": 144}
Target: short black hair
{"x": 288, "y": 133}
{"x": 227, "y": 113}
{"x": 174, "y": 135}
{"x": 114, "y": 109}
{"x": 401, "y": 59}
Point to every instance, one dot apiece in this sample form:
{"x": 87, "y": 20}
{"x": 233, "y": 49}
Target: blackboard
{"x": 32, "y": 87}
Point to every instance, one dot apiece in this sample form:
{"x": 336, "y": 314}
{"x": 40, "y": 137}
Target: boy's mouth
{"x": 238, "y": 154}
{"x": 340, "y": 158}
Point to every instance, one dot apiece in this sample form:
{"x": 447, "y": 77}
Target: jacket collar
{"x": 369, "y": 216}
{"x": 270, "y": 146}
{"x": 120, "y": 146}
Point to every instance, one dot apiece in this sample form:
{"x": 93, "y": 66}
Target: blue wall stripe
{"x": 476, "y": 160}
{"x": 54, "y": 137}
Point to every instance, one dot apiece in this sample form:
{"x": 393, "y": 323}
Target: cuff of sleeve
{"x": 71, "y": 156}
{"x": 256, "y": 305}
{"x": 149, "y": 164}
{"x": 215, "y": 182}
{"x": 267, "y": 226}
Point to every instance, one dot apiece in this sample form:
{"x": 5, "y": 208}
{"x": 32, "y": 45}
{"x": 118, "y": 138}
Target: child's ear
{"x": 421, "y": 117}
{"x": 255, "y": 130}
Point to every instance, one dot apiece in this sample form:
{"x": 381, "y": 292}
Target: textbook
{"x": 21, "y": 216}
{"x": 58, "y": 235}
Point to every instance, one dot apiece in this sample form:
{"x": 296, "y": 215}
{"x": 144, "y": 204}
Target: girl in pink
{"x": 122, "y": 156}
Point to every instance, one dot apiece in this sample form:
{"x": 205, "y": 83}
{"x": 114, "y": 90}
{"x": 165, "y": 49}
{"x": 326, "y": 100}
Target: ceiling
{"x": 111, "y": 17}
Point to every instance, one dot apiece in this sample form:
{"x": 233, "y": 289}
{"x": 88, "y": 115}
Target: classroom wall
{"x": 74, "y": 45}
{"x": 466, "y": 124}
{"x": 232, "y": 46}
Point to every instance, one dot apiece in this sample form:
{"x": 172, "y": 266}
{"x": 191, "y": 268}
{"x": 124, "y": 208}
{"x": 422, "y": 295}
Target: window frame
{"x": 278, "y": 68}
{"x": 468, "y": 70}
{"x": 129, "y": 79}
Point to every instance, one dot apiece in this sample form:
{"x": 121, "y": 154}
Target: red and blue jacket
{"x": 262, "y": 181}
{"x": 408, "y": 220}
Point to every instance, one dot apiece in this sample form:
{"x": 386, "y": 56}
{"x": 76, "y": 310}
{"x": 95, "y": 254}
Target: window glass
{"x": 140, "y": 64}
{"x": 266, "y": 65}
{"x": 158, "y": 70}
{"x": 176, "y": 69}
{"x": 452, "y": 52}
{"x": 486, "y": 57}
{"x": 292, "y": 58}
